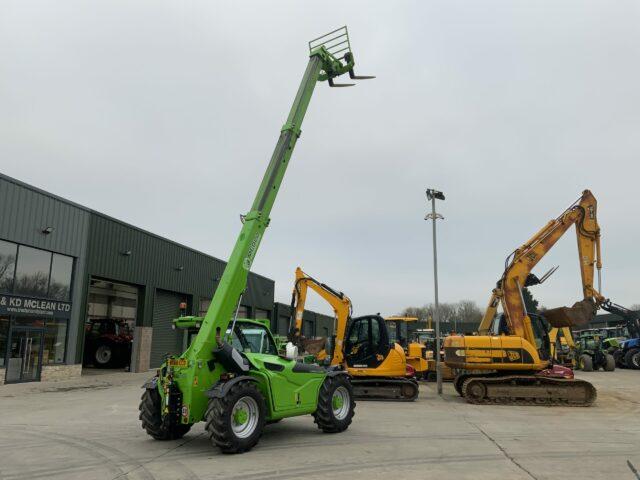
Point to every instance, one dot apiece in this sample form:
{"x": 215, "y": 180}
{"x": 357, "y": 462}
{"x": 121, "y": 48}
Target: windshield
{"x": 251, "y": 338}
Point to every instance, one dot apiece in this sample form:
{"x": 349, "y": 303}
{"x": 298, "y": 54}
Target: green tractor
{"x": 231, "y": 376}
{"x": 592, "y": 353}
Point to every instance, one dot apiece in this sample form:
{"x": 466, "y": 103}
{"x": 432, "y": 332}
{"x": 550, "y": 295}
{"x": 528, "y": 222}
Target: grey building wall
{"x": 24, "y": 212}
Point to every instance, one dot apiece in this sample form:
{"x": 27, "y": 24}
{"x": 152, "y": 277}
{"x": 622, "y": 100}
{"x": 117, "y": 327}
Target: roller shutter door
{"x": 165, "y": 340}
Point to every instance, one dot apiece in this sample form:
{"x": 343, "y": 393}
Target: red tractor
{"x": 107, "y": 343}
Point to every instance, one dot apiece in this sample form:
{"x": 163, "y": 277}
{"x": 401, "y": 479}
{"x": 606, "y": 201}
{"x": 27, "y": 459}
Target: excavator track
{"x": 397, "y": 389}
{"x": 527, "y": 390}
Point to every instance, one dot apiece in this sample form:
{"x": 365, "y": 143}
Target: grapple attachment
{"x": 580, "y": 313}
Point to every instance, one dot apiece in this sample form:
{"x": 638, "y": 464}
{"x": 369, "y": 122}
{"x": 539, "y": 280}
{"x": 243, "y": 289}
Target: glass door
{"x": 25, "y": 355}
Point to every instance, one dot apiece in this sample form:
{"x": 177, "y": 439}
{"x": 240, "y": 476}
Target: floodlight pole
{"x": 433, "y": 216}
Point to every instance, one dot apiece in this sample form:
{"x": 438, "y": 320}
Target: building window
{"x": 35, "y": 273}
{"x": 8, "y": 253}
{"x": 60, "y": 284}
{"x": 55, "y": 340}
{"x": 4, "y": 334}
{"x": 32, "y": 272}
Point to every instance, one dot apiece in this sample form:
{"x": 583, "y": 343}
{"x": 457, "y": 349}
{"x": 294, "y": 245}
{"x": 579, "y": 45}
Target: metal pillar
{"x": 432, "y": 195}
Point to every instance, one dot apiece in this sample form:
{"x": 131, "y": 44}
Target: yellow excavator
{"x": 360, "y": 345}
{"x": 415, "y": 351}
{"x": 509, "y": 361}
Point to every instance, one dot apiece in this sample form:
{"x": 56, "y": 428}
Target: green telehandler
{"x": 233, "y": 384}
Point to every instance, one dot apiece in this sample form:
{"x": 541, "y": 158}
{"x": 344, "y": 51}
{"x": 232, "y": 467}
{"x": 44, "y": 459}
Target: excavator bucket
{"x": 313, "y": 346}
{"x": 580, "y": 313}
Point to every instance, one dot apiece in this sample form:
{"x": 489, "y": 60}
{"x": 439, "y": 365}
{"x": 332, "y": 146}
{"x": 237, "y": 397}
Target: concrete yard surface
{"x": 89, "y": 429}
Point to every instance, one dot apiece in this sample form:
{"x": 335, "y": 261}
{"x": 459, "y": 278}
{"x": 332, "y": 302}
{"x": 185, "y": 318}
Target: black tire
{"x": 152, "y": 421}
{"x": 457, "y": 383}
{"x": 632, "y": 359}
{"x": 220, "y": 421}
{"x": 100, "y": 358}
{"x": 332, "y": 418}
{"x": 586, "y": 363}
{"x": 609, "y": 363}
{"x": 618, "y": 356}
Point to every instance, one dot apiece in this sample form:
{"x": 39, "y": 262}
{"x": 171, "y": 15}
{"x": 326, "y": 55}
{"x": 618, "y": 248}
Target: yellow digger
{"x": 415, "y": 351}
{"x": 510, "y": 360}
{"x": 360, "y": 345}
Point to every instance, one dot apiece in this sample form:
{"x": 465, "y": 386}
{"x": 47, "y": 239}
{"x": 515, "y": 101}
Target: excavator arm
{"x": 340, "y": 303}
{"x": 517, "y": 274}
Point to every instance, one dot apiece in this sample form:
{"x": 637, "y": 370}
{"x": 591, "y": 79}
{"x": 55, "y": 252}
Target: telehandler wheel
{"x": 235, "y": 421}
{"x": 609, "y": 363}
{"x": 152, "y": 419}
{"x": 586, "y": 363}
{"x": 335, "y": 405}
{"x": 632, "y": 359}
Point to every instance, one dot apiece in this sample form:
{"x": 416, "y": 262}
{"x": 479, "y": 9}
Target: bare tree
{"x": 451, "y": 314}
{"x": 7, "y": 264}
{"x": 468, "y": 312}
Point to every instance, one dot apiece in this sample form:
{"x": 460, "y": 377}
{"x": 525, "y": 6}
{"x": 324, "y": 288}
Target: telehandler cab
{"x": 224, "y": 378}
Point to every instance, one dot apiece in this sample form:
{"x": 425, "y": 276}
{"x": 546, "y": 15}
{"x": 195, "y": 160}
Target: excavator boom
{"x": 518, "y": 351}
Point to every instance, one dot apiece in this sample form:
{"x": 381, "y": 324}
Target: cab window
{"x": 252, "y": 338}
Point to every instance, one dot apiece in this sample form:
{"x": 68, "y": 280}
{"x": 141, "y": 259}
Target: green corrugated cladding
{"x": 158, "y": 263}
{"x": 97, "y": 241}
{"x": 24, "y": 212}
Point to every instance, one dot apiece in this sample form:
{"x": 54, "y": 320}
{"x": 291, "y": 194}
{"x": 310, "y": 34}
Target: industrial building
{"x": 65, "y": 268}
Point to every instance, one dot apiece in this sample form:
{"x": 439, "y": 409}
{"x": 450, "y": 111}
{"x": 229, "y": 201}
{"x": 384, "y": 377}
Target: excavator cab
{"x": 540, "y": 328}
{"x": 367, "y": 342}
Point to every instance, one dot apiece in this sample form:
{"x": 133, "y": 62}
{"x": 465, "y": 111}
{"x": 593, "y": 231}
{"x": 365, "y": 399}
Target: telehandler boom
{"x": 222, "y": 378}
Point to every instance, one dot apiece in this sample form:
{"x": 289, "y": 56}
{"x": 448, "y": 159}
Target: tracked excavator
{"x": 378, "y": 367}
{"x": 415, "y": 351}
{"x": 509, "y": 361}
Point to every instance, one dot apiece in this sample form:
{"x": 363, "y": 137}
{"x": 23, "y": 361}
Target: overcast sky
{"x": 165, "y": 114}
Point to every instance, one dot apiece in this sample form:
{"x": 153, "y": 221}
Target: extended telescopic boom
{"x": 330, "y": 56}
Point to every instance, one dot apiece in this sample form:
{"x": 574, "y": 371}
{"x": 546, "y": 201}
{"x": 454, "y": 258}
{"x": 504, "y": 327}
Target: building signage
{"x": 13, "y": 305}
